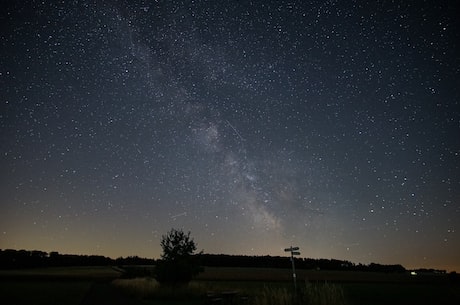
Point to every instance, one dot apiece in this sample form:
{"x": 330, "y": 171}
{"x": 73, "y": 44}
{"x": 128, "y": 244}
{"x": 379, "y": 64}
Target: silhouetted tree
{"x": 178, "y": 264}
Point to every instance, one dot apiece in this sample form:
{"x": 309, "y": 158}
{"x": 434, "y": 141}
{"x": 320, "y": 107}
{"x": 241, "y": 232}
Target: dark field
{"x": 401, "y": 293}
{"x": 359, "y": 288}
{"x": 69, "y": 285}
{"x": 101, "y": 285}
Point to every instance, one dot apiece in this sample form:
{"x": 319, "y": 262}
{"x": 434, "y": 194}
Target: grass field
{"x": 257, "y": 286}
{"x": 274, "y": 274}
{"x": 49, "y": 286}
{"x": 42, "y": 292}
{"x": 358, "y": 288}
{"x": 401, "y": 293}
{"x": 62, "y": 273}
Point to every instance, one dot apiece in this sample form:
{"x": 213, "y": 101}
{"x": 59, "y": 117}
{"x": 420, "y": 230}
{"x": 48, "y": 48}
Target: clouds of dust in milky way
{"x": 262, "y": 190}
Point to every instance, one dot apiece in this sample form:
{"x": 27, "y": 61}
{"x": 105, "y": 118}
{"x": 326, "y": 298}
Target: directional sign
{"x": 294, "y": 251}
{"x": 291, "y": 249}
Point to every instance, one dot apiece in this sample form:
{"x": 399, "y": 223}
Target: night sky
{"x": 329, "y": 125}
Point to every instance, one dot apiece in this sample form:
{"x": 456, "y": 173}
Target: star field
{"x": 330, "y": 125}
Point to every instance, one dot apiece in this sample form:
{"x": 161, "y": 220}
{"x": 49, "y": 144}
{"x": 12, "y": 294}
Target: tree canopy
{"x": 176, "y": 244}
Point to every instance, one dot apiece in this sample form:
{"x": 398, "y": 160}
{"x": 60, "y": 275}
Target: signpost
{"x": 294, "y": 251}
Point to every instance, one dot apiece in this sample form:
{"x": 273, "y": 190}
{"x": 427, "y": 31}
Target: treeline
{"x": 224, "y": 260}
{"x": 19, "y": 259}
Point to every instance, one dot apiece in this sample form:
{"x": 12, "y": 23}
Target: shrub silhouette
{"x": 178, "y": 264}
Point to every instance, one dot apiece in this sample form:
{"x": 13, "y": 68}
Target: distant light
{"x": 413, "y": 273}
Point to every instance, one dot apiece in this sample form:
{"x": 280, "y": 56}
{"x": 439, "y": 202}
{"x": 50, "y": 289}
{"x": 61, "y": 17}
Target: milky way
{"x": 329, "y": 125}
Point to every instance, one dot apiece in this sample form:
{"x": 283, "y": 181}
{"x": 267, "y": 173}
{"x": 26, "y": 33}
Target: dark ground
{"x": 103, "y": 293}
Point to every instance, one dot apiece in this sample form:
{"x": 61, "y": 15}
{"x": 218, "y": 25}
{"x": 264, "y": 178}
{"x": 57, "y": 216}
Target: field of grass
{"x": 232, "y": 292}
{"x": 255, "y": 286}
{"x": 49, "y": 286}
{"x": 62, "y": 273}
{"x": 401, "y": 293}
{"x": 274, "y": 274}
{"x": 260, "y": 293}
{"x": 42, "y": 292}
{"x": 352, "y": 288}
